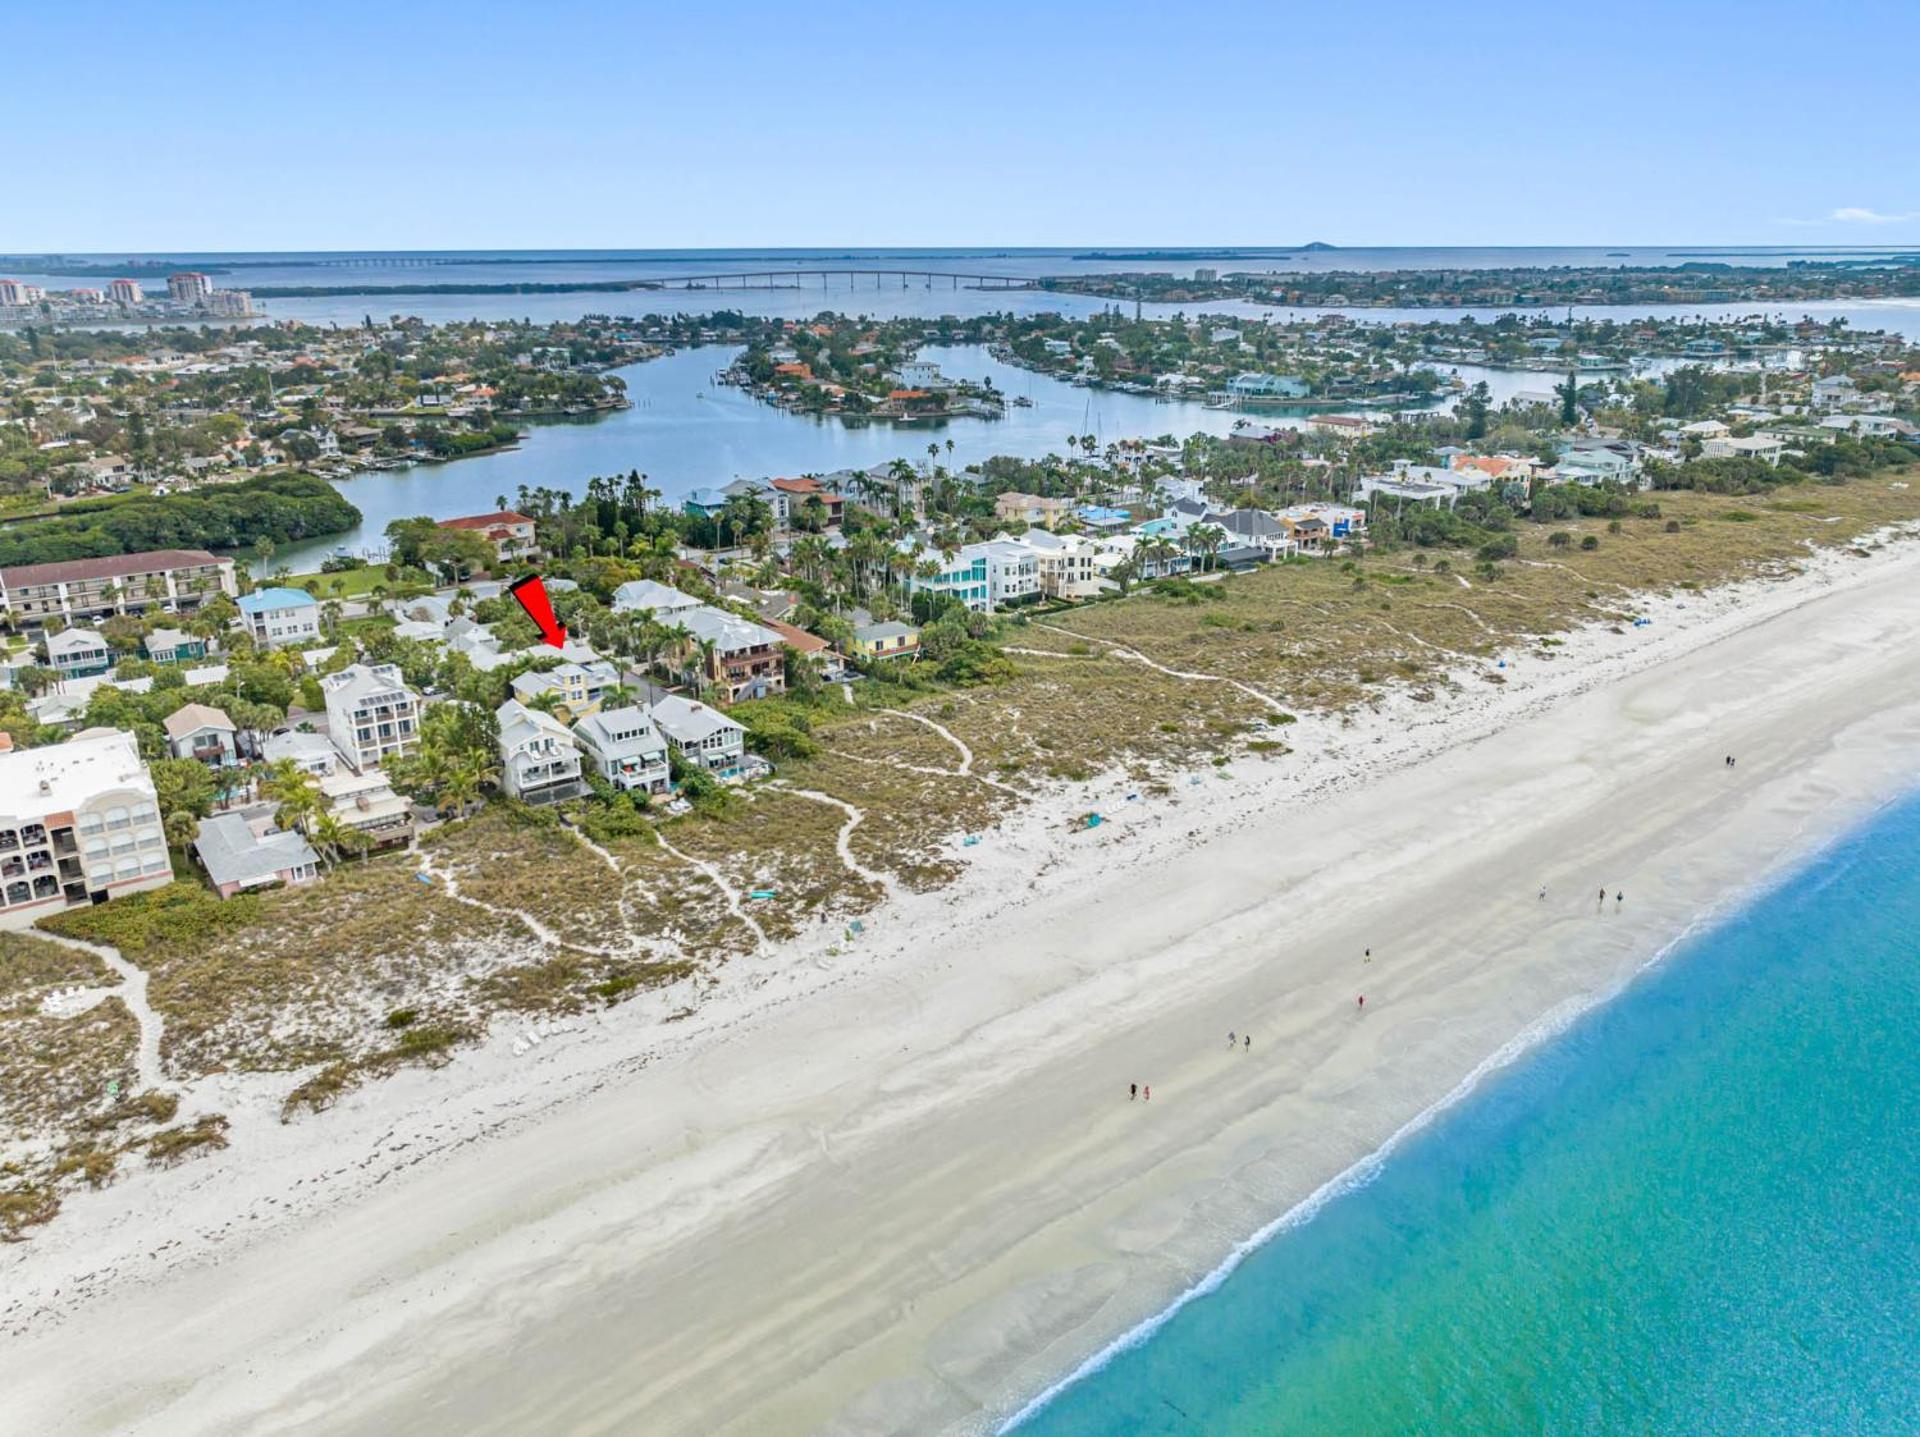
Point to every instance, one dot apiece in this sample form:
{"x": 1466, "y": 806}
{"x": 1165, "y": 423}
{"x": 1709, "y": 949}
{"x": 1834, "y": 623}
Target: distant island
{"x": 1273, "y": 252}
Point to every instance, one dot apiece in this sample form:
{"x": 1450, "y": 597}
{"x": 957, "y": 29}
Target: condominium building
{"x": 13, "y": 294}
{"x": 188, "y": 287}
{"x": 79, "y": 823}
{"x": 230, "y": 303}
{"x": 75, "y": 590}
{"x": 126, "y": 291}
{"x": 372, "y": 715}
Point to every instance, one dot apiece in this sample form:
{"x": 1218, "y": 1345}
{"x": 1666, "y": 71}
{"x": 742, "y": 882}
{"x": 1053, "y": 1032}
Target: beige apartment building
{"x": 80, "y": 590}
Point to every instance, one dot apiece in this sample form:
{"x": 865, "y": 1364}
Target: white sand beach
{"x": 902, "y": 1189}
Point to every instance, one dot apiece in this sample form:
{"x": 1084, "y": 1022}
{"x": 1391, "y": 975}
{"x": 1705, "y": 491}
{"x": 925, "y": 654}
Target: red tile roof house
{"x": 790, "y": 498}
{"x": 510, "y": 534}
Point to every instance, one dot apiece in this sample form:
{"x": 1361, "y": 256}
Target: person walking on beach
{"x": 1363, "y": 1002}
{"x": 1133, "y": 1091}
{"x": 1543, "y": 893}
{"x": 1619, "y": 897}
{"x": 1231, "y": 1040}
{"x": 1249, "y": 1042}
{"x": 1146, "y": 1093}
{"x": 1369, "y": 956}
{"x": 1603, "y": 895}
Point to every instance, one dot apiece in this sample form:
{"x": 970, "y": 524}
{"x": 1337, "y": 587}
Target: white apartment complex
{"x": 79, "y": 823}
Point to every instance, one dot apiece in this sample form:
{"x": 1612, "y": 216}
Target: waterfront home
{"x": 1705, "y": 429}
{"x": 371, "y": 714}
{"x": 1253, "y": 529}
{"x": 538, "y": 760}
{"x": 644, "y": 596}
{"x": 1594, "y": 461}
{"x": 366, "y": 803}
{"x": 511, "y": 534}
{"x": 311, "y": 753}
{"x": 173, "y": 646}
{"x": 1013, "y": 572}
{"x": 1257, "y": 386}
{"x": 201, "y": 732}
{"x": 1238, "y": 558}
{"x": 1499, "y": 468}
{"x": 1468, "y": 480}
{"x": 626, "y": 748}
{"x": 811, "y": 649}
{"x": 887, "y": 640}
{"x": 1319, "y": 528}
{"x": 78, "y": 653}
{"x": 278, "y": 617}
{"x": 1407, "y": 491}
{"x": 176, "y": 580}
{"x": 702, "y": 736}
{"x": 238, "y": 854}
{"x": 1065, "y": 565}
{"x": 1768, "y": 451}
{"x": 737, "y": 658}
{"x": 1884, "y": 426}
{"x": 1345, "y": 426}
{"x": 79, "y": 824}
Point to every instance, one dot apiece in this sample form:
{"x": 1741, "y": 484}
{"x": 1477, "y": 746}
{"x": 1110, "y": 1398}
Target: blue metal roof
{"x": 261, "y": 600}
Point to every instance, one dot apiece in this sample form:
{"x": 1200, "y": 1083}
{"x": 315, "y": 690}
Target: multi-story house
{"x": 78, "y": 654}
{"x": 738, "y": 658}
{"x": 625, "y": 747}
{"x": 701, "y": 735}
{"x": 372, "y": 715}
{"x": 202, "y": 732}
{"x": 1064, "y": 564}
{"x": 79, "y": 823}
{"x": 889, "y": 640}
{"x": 309, "y": 752}
{"x": 646, "y": 596}
{"x": 577, "y": 689}
{"x": 278, "y": 617}
{"x": 511, "y": 535}
{"x": 538, "y": 760}
{"x": 964, "y": 575}
{"x": 366, "y": 803}
{"x": 75, "y": 590}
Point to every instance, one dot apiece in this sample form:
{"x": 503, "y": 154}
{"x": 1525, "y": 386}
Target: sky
{"x": 235, "y": 125}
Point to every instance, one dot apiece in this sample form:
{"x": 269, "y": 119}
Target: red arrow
{"x": 532, "y": 595}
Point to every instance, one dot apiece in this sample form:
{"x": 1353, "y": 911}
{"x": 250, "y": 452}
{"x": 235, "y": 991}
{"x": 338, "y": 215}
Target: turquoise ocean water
{"x": 1697, "y": 1210}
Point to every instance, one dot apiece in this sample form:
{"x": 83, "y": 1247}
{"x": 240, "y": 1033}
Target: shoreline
{"x": 713, "y": 1157}
{"x": 1545, "y": 1029}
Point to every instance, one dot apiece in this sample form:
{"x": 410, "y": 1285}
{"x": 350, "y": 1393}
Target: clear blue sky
{"x": 242, "y": 125}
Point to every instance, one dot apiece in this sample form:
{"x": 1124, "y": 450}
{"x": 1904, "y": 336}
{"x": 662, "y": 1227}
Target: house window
{"x": 18, "y": 892}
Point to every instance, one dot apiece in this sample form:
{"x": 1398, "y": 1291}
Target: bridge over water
{"x": 796, "y": 278}
{"x": 839, "y": 278}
